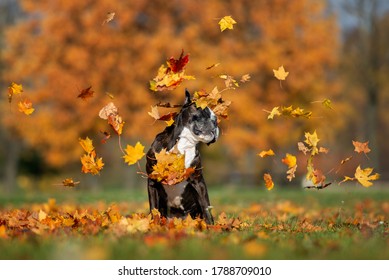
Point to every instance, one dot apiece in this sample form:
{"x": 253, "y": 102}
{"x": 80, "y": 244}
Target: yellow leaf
{"x": 280, "y": 73}
{"x": 363, "y": 176}
{"x": 169, "y": 122}
{"x": 312, "y": 140}
{"x": 154, "y": 112}
{"x": 327, "y": 103}
{"x": 226, "y": 22}
{"x": 133, "y": 154}
{"x": 268, "y": 181}
{"x": 289, "y": 160}
{"x": 266, "y": 153}
{"x": 91, "y": 164}
{"x": 86, "y": 144}
{"x": 26, "y": 107}
{"x": 274, "y": 112}
{"x": 14, "y": 88}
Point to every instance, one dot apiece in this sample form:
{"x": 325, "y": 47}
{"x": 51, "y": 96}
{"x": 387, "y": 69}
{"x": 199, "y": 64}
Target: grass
{"x": 338, "y": 223}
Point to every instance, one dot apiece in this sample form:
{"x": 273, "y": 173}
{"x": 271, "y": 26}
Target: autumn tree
{"x": 63, "y": 47}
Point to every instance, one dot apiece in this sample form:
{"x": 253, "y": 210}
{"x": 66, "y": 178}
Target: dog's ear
{"x": 188, "y": 100}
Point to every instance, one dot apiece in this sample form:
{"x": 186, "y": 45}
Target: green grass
{"x": 351, "y": 223}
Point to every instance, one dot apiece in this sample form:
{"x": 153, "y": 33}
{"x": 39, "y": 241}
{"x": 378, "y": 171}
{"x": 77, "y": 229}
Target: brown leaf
{"x": 86, "y": 93}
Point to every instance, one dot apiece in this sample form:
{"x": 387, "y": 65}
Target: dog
{"x": 191, "y": 127}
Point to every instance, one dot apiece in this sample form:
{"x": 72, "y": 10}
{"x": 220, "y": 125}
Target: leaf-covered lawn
{"x": 250, "y": 224}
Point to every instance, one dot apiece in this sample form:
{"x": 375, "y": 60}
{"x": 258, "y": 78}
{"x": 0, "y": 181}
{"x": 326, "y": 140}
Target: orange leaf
{"x": 289, "y": 160}
{"x": 26, "y": 107}
{"x": 266, "y": 153}
{"x": 361, "y": 147}
{"x": 86, "y": 93}
{"x": 268, "y": 181}
{"x": 86, "y": 144}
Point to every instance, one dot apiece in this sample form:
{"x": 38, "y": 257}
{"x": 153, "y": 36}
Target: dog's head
{"x": 200, "y": 123}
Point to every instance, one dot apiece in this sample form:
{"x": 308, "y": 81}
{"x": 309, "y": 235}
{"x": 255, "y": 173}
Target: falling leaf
{"x": 361, "y": 147}
{"x": 346, "y": 160}
{"x": 110, "y": 95}
{"x": 107, "y": 135}
{"x": 323, "y": 150}
{"x": 154, "y": 113}
{"x": 68, "y": 182}
{"x": 170, "y": 121}
{"x": 86, "y": 144}
{"x": 117, "y": 123}
{"x": 14, "y": 89}
{"x": 289, "y": 160}
{"x": 229, "y": 81}
{"x": 212, "y": 66}
{"x": 214, "y": 101}
{"x": 25, "y": 107}
{"x": 318, "y": 177}
{"x": 280, "y": 74}
{"x": 226, "y": 22}
{"x": 107, "y": 110}
{"x": 327, "y": 103}
{"x": 177, "y": 65}
{"x": 291, "y": 173}
{"x": 301, "y": 146}
{"x": 268, "y": 181}
{"x": 86, "y": 93}
{"x": 90, "y": 162}
{"x": 363, "y": 176}
{"x": 266, "y": 153}
{"x": 109, "y": 17}
{"x": 245, "y": 78}
{"x": 312, "y": 140}
{"x": 170, "y": 77}
{"x": 134, "y": 153}
{"x": 274, "y": 112}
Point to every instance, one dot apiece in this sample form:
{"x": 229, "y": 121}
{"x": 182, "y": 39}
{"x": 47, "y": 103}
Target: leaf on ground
{"x": 226, "y": 22}
{"x": 134, "y": 153}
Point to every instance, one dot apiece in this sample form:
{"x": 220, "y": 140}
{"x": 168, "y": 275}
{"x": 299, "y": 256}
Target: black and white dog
{"x": 191, "y": 126}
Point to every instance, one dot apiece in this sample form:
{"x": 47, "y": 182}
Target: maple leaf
{"x": 25, "y": 107}
{"x": 170, "y": 167}
{"x": 109, "y": 17}
{"x": 226, "y": 22}
{"x": 363, "y": 176}
{"x": 134, "y": 153}
{"x": 289, "y": 160}
{"x": 245, "y": 78}
{"x": 291, "y": 173}
{"x": 266, "y": 153}
{"x": 214, "y": 101}
{"x": 154, "y": 113}
{"x": 312, "y": 140}
{"x": 116, "y": 122}
{"x": 361, "y": 147}
{"x": 170, "y": 77}
{"x": 177, "y": 65}
{"x": 86, "y": 144}
{"x": 280, "y": 73}
{"x": 268, "y": 181}
{"x": 86, "y": 93}
{"x": 229, "y": 81}
{"x": 273, "y": 112}
{"x": 91, "y": 164}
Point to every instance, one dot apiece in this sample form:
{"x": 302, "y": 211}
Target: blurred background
{"x": 335, "y": 50}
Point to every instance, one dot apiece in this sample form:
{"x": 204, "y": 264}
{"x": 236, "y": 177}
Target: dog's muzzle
{"x": 215, "y": 136}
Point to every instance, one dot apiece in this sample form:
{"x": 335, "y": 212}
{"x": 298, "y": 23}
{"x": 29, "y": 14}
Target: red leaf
{"x": 177, "y": 65}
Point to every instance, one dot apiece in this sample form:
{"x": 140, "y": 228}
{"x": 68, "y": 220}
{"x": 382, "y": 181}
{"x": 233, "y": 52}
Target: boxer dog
{"x": 191, "y": 126}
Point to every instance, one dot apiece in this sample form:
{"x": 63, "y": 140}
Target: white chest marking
{"x": 174, "y": 194}
{"x": 186, "y": 145}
